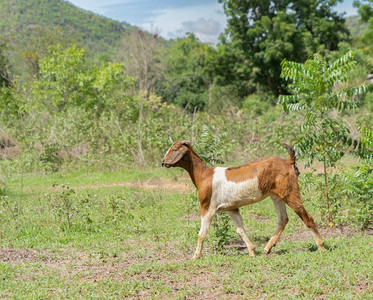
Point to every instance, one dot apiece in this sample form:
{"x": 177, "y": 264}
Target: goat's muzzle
{"x": 165, "y": 165}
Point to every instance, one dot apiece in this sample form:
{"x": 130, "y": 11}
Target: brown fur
{"x": 242, "y": 173}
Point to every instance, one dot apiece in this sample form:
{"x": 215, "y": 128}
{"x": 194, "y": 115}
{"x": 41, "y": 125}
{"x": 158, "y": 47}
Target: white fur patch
{"x": 228, "y": 194}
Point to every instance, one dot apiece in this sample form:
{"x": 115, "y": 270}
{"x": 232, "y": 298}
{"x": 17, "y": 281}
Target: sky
{"x": 173, "y": 18}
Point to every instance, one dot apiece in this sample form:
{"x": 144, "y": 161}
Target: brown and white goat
{"x": 227, "y": 189}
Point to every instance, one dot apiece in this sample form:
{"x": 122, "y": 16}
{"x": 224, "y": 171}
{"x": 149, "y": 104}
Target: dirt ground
{"x": 182, "y": 185}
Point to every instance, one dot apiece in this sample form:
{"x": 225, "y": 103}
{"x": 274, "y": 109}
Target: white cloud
{"x": 206, "y": 21}
{"x": 203, "y": 26}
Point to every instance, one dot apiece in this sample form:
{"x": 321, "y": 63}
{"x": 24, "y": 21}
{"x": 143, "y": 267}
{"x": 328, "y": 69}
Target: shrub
{"x": 351, "y": 194}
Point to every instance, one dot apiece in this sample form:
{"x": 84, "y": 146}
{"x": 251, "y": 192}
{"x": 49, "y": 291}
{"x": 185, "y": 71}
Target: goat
{"x": 227, "y": 189}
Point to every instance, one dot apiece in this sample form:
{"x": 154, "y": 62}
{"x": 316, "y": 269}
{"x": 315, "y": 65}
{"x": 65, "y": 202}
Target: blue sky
{"x": 173, "y": 18}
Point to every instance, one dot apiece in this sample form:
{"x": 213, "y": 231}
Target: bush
{"x": 351, "y": 194}
{"x": 256, "y": 104}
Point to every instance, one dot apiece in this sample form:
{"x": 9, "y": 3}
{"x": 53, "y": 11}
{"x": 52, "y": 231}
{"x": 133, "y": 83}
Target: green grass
{"x": 130, "y": 242}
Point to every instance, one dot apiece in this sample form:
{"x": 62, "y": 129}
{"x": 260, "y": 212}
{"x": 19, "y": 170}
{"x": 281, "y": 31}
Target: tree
{"x": 316, "y": 88}
{"x": 66, "y": 80}
{"x": 142, "y": 56}
{"x": 262, "y": 33}
{"x": 187, "y": 78}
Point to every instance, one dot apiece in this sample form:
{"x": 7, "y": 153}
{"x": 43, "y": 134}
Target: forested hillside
{"x": 31, "y": 24}
{"x": 355, "y": 26}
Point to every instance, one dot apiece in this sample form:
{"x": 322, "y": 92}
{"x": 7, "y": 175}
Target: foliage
{"x": 63, "y": 205}
{"x": 49, "y": 158}
{"x": 187, "y": 81}
{"x": 317, "y": 90}
{"x": 259, "y": 35}
{"x": 210, "y": 146}
{"x": 357, "y": 187}
{"x": 60, "y": 110}
{"x": 222, "y": 232}
{"x": 355, "y": 27}
{"x": 366, "y": 138}
{"x": 256, "y": 104}
{"x": 351, "y": 191}
{"x": 66, "y": 80}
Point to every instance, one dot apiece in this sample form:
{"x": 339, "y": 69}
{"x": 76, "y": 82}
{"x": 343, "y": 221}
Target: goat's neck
{"x": 197, "y": 169}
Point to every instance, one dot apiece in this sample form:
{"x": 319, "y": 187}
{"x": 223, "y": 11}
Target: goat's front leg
{"x": 205, "y": 224}
{"x": 237, "y": 220}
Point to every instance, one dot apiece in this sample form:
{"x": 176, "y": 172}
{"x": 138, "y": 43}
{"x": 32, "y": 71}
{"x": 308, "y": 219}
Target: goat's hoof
{"x": 195, "y": 257}
{"x": 252, "y": 253}
{"x": 267, "y": 251}
{"x": 322, "y": 249}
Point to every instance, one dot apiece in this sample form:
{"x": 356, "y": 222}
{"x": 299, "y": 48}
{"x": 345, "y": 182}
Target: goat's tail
{"x": 292, "y": 156}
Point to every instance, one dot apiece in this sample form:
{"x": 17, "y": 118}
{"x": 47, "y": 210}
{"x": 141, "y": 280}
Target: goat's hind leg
{"x": 296, "y": 204}
{"x": 282, "y": 220}
{"x": 237, "y": 220}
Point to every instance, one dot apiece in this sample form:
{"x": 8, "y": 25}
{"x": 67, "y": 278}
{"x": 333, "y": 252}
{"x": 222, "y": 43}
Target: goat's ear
{"x": 185, "y": 143}
{"x": 179, "y": 155}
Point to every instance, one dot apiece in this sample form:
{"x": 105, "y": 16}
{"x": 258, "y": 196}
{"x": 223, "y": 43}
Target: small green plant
{"x": 10, "y": 208}
{"x": 221, "y": 232}
{"x": 49, "y": 158}
{"x": 256, "y": 104}
{"x": 63, "y": 204}
{"x": 118, "y": 205}
{"x": 85, "y": 211}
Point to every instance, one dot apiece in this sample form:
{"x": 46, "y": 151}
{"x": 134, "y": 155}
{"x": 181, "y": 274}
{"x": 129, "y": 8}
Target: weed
{"x": 117, "y": 206}
{"x": 8, "y": 207}
{"x": 222, "y": 232}
{"x": 62, "y": 203}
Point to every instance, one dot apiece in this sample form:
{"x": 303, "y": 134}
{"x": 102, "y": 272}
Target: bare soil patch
{"x": 180, "y": 185}
{"x": 326, "y": 232}
{"x": 18, "y": 255}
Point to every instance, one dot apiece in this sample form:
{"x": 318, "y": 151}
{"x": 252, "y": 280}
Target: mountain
{"x": 355, "y": 27}
{"x": 21, "y": 19}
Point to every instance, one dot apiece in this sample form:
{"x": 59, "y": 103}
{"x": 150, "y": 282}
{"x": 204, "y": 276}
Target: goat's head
{"x": 175, "y": 155}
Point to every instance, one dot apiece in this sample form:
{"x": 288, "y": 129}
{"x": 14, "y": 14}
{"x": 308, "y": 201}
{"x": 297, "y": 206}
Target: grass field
{"x": 132, "y": 233}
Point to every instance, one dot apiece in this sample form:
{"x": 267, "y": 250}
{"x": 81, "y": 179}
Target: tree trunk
{"x": 330, "y": 221}
{"x": 139, "y": 142}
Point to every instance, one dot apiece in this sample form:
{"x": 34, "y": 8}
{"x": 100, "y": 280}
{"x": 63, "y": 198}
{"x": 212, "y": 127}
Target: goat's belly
{"x": 230, "y": 195}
